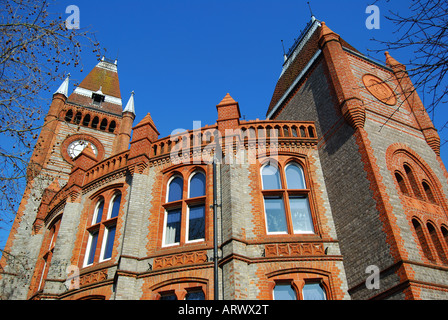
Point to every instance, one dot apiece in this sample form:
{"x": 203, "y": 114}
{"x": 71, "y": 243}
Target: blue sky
{"x": 182, "y": 57}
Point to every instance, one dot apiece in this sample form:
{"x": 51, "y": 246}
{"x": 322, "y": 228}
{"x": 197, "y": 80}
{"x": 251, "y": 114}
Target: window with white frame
{"x": 102, "y": 230}
{"x": 184, "y": 220}
{"x": 310, "y": 291}
{"x": 286, "y": 199}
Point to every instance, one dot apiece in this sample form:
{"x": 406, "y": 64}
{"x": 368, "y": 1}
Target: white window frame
{"x": 88, "y": 248}
{"x": 266, "y": 217}
{"x": 103, "y": 244}
{"x": 191, "y": 177}
{"x": 111, "y": 204}
{"x": 293, "y": 163}
{"x": 164, "y": 244}
{"x": 187, "y": 231}
{"x": 95, "y": 215}
{"x": 168, "y": 187}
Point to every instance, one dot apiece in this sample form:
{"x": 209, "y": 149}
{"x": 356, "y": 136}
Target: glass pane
{"x": 301, "y": 215}
{"x": 116, "y": 206}
{"x": 271, "y": 178}
{"x": 196, "y": 224}
{"x": 172, "y": 232}
{"x": 109, "y": 242}
{"x": 99, "y": 211}
{"x": 275, "y": 214}
{"x": 175, "y": 189}
{"x": 313, "y": 291}
{"x": 284, "y": 292}
{"x": 92, "y": 249}
{"x": 197, "y": 185}
{"x": 170, "y": 296}
{"x": 294, "y": 177}
{"x": 195, "y": 295}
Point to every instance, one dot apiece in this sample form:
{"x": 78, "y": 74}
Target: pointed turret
{"x": 130, "y": 105}
{"x": 228, "y": 114}
{"x": 63, "y": 89}
{"x": 124, "y": 136}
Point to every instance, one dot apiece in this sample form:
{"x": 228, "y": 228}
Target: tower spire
{"x": 130, "y": 105}
{"x": 63, "y": 89}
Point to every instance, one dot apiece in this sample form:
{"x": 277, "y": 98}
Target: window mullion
{"x": 288, "y": 212}
{"x": 183, "y": 224}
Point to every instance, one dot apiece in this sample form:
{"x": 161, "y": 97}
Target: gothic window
{"x": 69, "y": 116}
{"x": 445, "y": 234}
{"x": 51, "y": 236}
{"x": 184, "y": 220}
{"x": 103, "y": 125}
{"x": 422, "y": 239}
{"x": 102, "y": 230}
{"x": 86, "y": 120}
{"x": 412, "y": 181}
{"x": 112, "y": 127}
{"x": 428, "y": 192}
{"x": 95, "y": 122}
{"x": 401, "y": 183}
{"x": 436, "y": 242}
{"x": 78, "y": 118}
{"x": 286, "y": 202}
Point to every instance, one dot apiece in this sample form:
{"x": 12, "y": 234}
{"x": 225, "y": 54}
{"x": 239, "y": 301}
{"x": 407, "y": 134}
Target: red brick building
{"x": 337, "y": 181}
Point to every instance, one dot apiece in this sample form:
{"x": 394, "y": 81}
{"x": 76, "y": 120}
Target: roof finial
{"x": 285, "y": 57}
{"x": 311, "y": 11}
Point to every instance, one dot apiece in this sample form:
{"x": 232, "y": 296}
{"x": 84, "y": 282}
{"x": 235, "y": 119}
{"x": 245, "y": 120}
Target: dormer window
{"x": 98, "y": 99}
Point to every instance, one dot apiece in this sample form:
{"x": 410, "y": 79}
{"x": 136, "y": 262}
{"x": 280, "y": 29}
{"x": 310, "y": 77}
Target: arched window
{"x": 44, "y": 265}
{"x": 287, "y": 208}
{"x": 422, "y": 239}
{"x": 313, "y": 291}
{"x": 436, "y": 242}
{"x": 112, "y": 127}
{"x": 174, "y": 215}
{"x": 401, "y": 183}
{"x": 310, "y": 291}
{"x": 185, "y": 216}
{"x": 428, "y": 192}
{"x": 86, "y": 120}
{"x": 445, "y": 234}
{"x": 114, "y": 209}
{"x": 103, "y": 124}
{"x": 102, "y": 229}
{"x": 69, "y": 116}
{"x": 197, "y": 185}
{"x": 196, "y": 211}
{"x": 284, "y": 292}
{"x": 175, "y": 189}
{"x": 78, "y": 118}
{"x": 294, "y": 177}
{"x": 95, "y": 122}
{"x": 412, "y": 181}
{"x": 271, "y": 177}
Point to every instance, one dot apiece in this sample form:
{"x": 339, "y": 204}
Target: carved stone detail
{"x": 294, "y": 249}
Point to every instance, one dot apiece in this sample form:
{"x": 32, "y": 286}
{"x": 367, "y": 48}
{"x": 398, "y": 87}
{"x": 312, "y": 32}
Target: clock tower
{"x": 92, "y": 115}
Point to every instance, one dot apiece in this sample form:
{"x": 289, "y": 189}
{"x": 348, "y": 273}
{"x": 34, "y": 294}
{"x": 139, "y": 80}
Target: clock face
{"x": 76, "y": 147}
